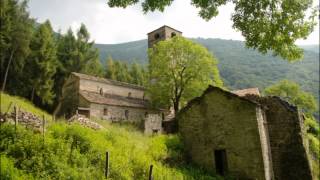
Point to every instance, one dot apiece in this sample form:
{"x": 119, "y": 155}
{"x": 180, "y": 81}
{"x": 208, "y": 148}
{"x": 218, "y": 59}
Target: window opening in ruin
{"x": 129, "y": 94}
{"x": 162, "y": 115}
{"x": 105, "y": 111}
{"x": 173, "y": 34}
{"x": 143, "y": 96}
{"x": 157, "y": 36}
{"x": 220, "y": 157}
{"x": 126, "y": 114}
{"x": 146, "y": 114}
{"x": 101, "y": 91}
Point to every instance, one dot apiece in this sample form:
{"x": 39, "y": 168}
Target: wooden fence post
{"x": 106, "y": 173}
{"x": 15, "y": 120}
{"x": 150, "y": 172}
{"x": 43, "y": 126}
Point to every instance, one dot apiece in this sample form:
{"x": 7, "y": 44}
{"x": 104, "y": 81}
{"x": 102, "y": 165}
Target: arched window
{"x": 173, "y": 34}
{"x": 101, "y": 91}
{"x": 157, "y": 36}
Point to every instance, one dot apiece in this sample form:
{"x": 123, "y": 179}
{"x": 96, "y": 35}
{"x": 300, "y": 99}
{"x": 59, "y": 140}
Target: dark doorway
{"x": 220, "y": 157}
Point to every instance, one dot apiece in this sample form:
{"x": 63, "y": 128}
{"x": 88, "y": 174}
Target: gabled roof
{"x": 114, "y": 100}
{"x": 107, "y": 81}
{"x": 211, "y": 89}
{"x": 164, "y": 27}
{"x": 249, "y": 91}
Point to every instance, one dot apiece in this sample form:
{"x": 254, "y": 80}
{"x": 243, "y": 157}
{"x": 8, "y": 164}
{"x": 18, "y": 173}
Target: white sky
{"x": 116, "y": 25}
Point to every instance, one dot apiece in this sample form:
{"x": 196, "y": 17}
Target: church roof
{"x": 115, "y": 100}
{"x": 249, "y": 91}
{"x": 107, "y": 81}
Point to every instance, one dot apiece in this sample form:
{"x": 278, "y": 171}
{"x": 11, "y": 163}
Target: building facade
{"x": 107, "y": 99}
{"x": 248, "y": 138}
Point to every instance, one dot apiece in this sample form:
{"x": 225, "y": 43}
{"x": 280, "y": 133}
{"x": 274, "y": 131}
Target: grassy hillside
{"x": 76, "y": 152}
{"x": 239, "y": 67}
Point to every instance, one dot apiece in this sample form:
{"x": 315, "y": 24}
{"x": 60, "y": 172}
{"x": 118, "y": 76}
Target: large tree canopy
{"x": 267, "y": 25}
{"x": 291, "y": 92}
{"x": 179, "y": 71}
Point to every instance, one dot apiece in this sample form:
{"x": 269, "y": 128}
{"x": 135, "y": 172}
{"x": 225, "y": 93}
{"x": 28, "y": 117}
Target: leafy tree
{"x": 266, "y": 25}
{"x": 42, "y": 63}
{"x": 291, "y": 92}
{"x": 179, "y": 71}
{"x": 15, "y": 35}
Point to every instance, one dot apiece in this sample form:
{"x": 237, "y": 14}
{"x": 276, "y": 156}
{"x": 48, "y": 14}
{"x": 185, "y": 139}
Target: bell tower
{"x": 162, "y": 33}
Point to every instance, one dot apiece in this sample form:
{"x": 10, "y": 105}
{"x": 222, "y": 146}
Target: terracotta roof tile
{"x": 249, "y": 91}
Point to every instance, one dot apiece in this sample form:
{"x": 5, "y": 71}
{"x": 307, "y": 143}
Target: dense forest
{"x": 239, "y": 67}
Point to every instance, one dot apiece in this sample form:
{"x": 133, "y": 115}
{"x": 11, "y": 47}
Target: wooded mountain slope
{"x": 239, "y": 67}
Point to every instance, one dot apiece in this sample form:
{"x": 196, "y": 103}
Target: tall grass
{"x": 76, "y": 152}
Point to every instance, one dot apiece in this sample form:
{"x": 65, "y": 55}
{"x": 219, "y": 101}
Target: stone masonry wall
{"x": 153, "y": 124}
{"x": 222, "y": 121}
{"x": 94, "y": 86}
{"x": 117, "y": 113}
{"x": 289, "y": 156}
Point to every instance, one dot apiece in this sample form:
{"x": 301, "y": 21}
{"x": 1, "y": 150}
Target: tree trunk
{"x": 176, "y": 106}
{"x": 32, "y": 94}
{"x": 7, "y": 70}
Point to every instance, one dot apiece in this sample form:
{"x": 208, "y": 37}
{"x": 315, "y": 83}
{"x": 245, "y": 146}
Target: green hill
{"x": 76, "y": 152}
{"x": 239, "y": 67}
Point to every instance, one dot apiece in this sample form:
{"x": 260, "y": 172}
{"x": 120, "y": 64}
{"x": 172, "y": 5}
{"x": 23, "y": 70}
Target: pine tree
{"x": 110, "y": 69}
{"x": 15, "y": 35}
{"x": 42, "y": 64}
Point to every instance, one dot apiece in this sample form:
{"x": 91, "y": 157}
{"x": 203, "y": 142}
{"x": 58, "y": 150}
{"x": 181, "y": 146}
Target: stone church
{"x": 112, "y": 100}
{"x": 244, "y": 135}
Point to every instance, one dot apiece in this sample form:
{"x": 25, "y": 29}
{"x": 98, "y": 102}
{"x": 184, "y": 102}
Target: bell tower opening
{"x": 162, "y": 33}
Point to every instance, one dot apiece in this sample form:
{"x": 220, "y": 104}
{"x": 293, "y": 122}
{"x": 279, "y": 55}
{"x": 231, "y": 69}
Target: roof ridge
{"x": 106, "y": 80}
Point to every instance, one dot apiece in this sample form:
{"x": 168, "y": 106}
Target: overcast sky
{"x": 116, "y": 25}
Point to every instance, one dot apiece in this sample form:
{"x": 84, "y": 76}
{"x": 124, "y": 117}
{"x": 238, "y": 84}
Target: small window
{"x": 129, "y": 94}
{"x": 162, "y": 115}
{"x": 126, "y": 114}
{"x": 101, "y": 91}
{"x": 173, "y": 34}
{"x": 105, "y": 111}
{"x": 157, "y": 36}
{"x": 146, "y": 114}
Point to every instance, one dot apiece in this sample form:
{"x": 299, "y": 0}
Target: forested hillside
{"x": 239, "y": 67}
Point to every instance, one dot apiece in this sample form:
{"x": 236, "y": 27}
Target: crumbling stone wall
{"x": 221, "y": 120}
{"x": 289, "y": 155}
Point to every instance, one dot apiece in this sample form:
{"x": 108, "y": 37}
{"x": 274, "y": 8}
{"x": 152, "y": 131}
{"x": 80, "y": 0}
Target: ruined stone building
{"x": 241, "y": 134}
{"x": 107, "y": 99}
